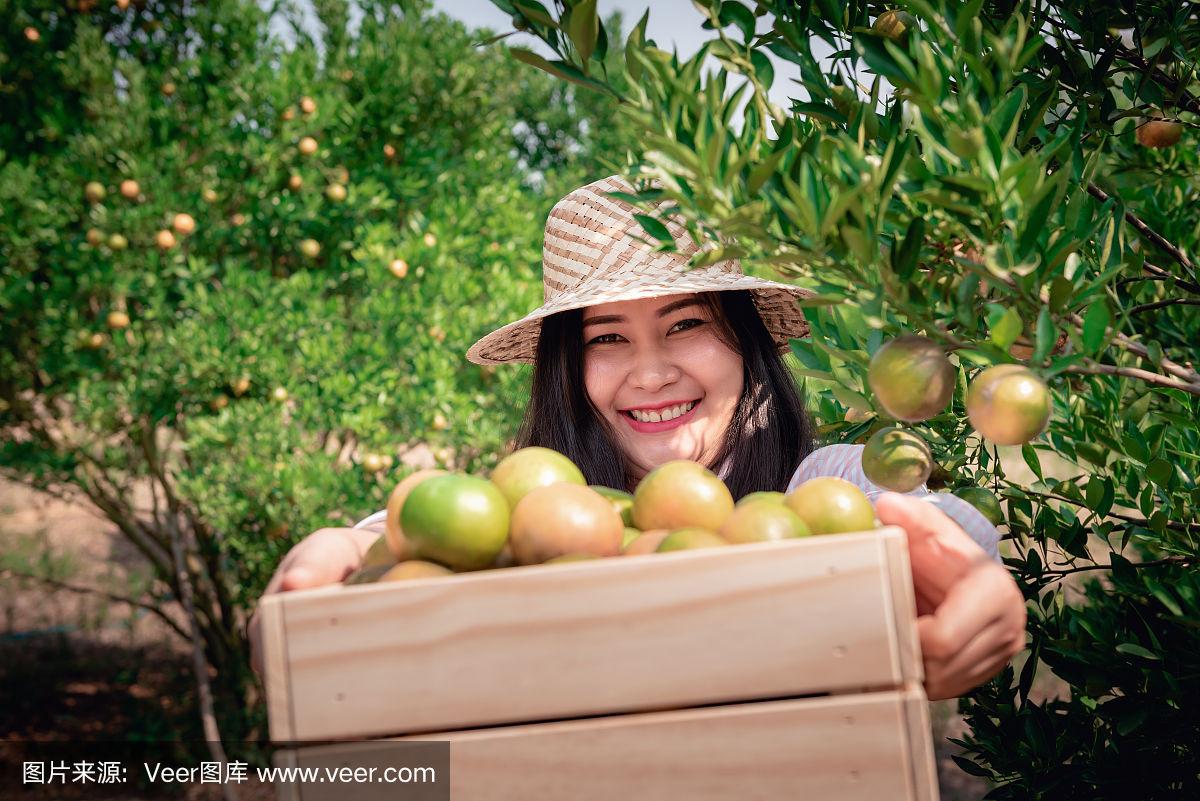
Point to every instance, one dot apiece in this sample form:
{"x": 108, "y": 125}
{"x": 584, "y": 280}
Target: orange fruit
{"x": 646, "y": 542}
{"x": 571, "y": 557}
{"x": 897, "y": 459}
{"x": 984, "y": 501}
{"x": 1008, "y": 404}
{"x": 690, "y": 539}
{"x": 622, "y": 501}
{"x": 762, "y": 495}
{"x": 335, "y": 192}
{"x": 895, "y": 25}
{"x": 459, "y": 521}
{"x": 557, "y": 519}
{"x": 1159, "y": 133}
{"x": 911, "y": 377}
{"x": 415, "y": 569}
{"x": 523, "y": 471}
{"x": 630, "y": 534}
{"x": 183, "y": 224}
{"x": 399, "y": 545}
{"x": 830, "y": 505}
{"x": 681, "y": 494}
{"x": 117, "y": 320}
{"x": 367, "y": 575}
{"x": 763, "y": 520}
{"x": 379, "y": 554}
{"x": 94, "y": 191}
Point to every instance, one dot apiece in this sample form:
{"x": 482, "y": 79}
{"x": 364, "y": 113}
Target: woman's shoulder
{"x": 841, "y": 461}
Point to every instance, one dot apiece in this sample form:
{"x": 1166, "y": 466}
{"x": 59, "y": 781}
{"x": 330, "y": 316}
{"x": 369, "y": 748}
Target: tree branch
{"x": 1170, "y": 560}
{"x": 1095, "y": 368}
{"x": 8, "y": 572}
{"x": 1148, "y": 232}
{"x": 1145, "y": 307}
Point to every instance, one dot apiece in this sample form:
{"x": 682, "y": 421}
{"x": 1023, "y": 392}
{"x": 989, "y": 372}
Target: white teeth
{"x": 661, "y": 415}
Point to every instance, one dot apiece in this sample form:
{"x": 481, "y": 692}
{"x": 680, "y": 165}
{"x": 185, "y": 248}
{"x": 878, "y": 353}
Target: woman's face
{"x": 655, "y": 358}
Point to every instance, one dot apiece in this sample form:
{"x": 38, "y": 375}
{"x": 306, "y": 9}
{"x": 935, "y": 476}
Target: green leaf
{"x": 535, "y": 11}
{"x": 654, "y": 227}
{"x": 1045, "y": 337}
{"x": 1160, "y": 471}
{"x": 1004, "y": 325}
{"x": 904, "y": 258}
{"x": 763, "y": 68}
{"x": 633, "y": 43}
{"x": 764, "y": 170}
{"x": 734, "y": 13}
{"x": 1136, "y": 650}
{"x": 1029, "y": 454}
{"x": 1095, "y": 326}
{"x": 583, "y": 27}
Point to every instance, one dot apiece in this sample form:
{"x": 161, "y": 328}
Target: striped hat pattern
{"x": 591, "y": 254}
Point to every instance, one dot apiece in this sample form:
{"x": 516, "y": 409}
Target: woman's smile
{"x": 662, "y": 417}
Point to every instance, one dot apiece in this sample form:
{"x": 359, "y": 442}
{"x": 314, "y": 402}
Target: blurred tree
{"x": 243, "y": 274}
{"x": 1017, "y": 181}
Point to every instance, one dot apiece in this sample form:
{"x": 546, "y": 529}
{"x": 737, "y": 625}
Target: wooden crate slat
{"x": 760, "y": 621}
{"x": 838, "y": 748}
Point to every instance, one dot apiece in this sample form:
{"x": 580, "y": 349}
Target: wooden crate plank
{"x": 276, "y": 670}
{"x": 920, "y": 742}
{"x": 904, "y": 608}
{"x": 838, "y": 748}
{"x": 760, "y": 621}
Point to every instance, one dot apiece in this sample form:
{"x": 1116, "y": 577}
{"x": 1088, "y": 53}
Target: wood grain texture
{"x": 843, "y": 748}
{"x": 920, "y": 742}
{"x": 276, "y": 671}
{"x": 904, "y": 608}
{"x": 760, "y": 621}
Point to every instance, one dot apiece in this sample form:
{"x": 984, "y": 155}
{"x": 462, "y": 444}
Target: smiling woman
{"x": 640, "y": 360}
{"x": 604, "y": 375}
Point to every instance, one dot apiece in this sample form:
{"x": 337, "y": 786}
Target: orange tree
{"x": 239, "y": 273}
{"x": 1018, "y": 182}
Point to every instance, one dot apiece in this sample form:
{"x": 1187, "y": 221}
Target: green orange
{"x": 690, "y": 539}
{"x": 911, "y": 378}
{"x": 524, "y": 470}
{"x": 559, "y": 519}
{"x": 681, "y": 494}
{"x": 763, "y": 520}
{"x": 897, "y": 459}
{"x": 1008, "y": 404}
{"x": 459, "y": 521}
{"x": 830, "y": 505}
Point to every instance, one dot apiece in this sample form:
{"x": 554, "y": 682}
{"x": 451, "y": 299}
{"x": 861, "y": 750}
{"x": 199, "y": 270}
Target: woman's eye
{"x": 690, "y": 322}
{"x": 602, "y": 339}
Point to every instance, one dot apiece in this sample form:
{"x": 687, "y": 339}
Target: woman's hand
{"x": 326, "y": 556}
{"x": 971, "y": 614}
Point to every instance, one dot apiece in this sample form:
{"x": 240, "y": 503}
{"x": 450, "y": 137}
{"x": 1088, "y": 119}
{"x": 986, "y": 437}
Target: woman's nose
{"x": 652, "y": 368}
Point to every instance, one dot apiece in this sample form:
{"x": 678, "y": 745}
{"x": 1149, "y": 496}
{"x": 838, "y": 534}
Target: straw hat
{"x": 591, "y": 255}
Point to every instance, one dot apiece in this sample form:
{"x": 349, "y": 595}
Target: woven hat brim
{"x": 776, "y": 303}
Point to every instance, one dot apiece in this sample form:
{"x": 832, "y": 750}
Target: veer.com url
{"x": 348, "y": 775}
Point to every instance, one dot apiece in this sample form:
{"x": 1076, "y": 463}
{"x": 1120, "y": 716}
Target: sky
{"x": 672, "y": 24}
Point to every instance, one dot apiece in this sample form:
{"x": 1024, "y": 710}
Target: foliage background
{"x": 343, "y": 360}
{"x": 979, "y": 178}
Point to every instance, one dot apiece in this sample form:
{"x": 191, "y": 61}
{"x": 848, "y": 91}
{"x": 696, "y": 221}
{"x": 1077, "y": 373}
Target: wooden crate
{"x": 767, "y": 671}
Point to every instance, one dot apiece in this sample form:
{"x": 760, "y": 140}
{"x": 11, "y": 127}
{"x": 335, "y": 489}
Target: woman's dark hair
{"x": 768, "y": 437}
